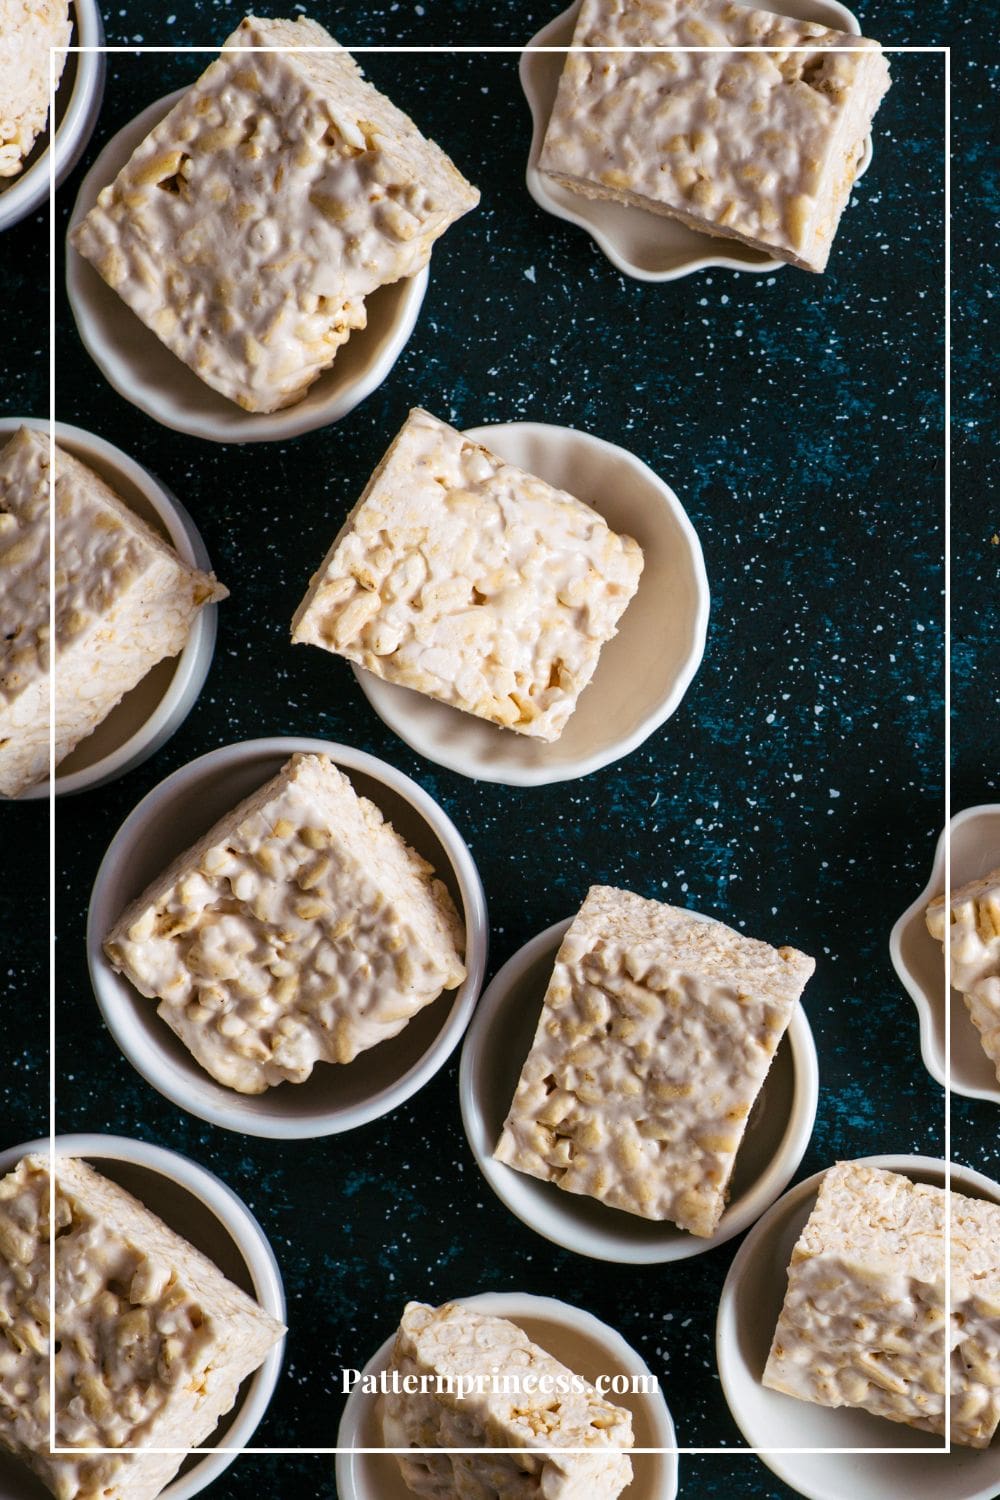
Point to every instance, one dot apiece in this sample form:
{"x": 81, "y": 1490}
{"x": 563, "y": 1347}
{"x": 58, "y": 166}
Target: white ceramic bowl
{"x": 646, "y": 246}
{"x": 197, "y": 1205}
{"x": 143, "y": 370}
{"x": 78, "y": 103}
{"x": 642, "y": 674}
{"x": 497, "y": 1044}
{"x": 336, "y": 1097}
{"x": 585, "y": 1345}
{"x": 158, "y": 705}
{"x": 919, "y": 962}
{"x": 748, "y": 1312}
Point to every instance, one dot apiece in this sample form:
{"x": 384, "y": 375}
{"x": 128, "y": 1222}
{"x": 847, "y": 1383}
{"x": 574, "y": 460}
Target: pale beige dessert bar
{"x": 761, "y": 147}
{"x": 29, "y": 31}
{"x": 655, "y": 1037}
{"x": 300, "y": 929}
{"x": 151, "y": 1341}
{"x": 440, "y": 1351}
{"x": 864, "y": 1321}
{"x": 463, "y": 577}
{"x": 250, "y": 225}
{"x": 974, "y": 917}
{"x": 124, "y": 600}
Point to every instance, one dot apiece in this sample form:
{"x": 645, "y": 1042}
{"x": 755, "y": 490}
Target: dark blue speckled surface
{"x": 797, "y": 793}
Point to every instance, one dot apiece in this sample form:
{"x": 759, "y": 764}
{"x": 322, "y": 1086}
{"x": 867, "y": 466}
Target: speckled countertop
{"x": 796, "y": 794}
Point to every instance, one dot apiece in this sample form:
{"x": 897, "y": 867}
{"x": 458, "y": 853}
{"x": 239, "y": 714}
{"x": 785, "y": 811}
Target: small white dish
{"x": 195, "y": 1204}
{"x": 919, "y": 959}
{"x": 585, "y": 1345}
{"x": 642, "y": 674}
{"x": 496, "y": 1046}
{"x": 78, "y": 103}
{"x": 752, "y": 1296}
{"x": 646, "y": 246}
{"x": 158, "y": 705}
{"x": 145, "y": 372}
{"x": 336, "y": 1097}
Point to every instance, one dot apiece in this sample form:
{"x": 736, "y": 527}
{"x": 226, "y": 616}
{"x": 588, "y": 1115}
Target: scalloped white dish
{"x": 646, "y": 246}
{"x": 145, "y": 372}
{"x": 919, "y": 961}
{"x": 642, "y": 674}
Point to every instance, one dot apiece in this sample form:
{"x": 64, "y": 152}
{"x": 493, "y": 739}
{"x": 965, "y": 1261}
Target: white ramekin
{"x": 337, "y": 1097}
{"x": 196, "y": 1204}
{"x": 580, "y": 1341}
{"x": 158, "y": 705}
{"x": 497, "y": 1044}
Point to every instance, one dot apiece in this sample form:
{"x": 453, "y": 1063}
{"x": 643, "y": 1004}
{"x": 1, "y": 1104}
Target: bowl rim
{"x": 788, "y": 1203}
{"x": 248, "y": 1237}
{"x": 592, "y": 1243}
{"x": 523, "y": 776}
{"x": 514, "y": 1305}
{"x": 242, "y": 427}
{"x": 537, "y": 187}
{"x": 31, "y": 187}
{"x": 923, "y": 1003}
{"x": 193, "y": 661}
{"x": 188, "y": 1094}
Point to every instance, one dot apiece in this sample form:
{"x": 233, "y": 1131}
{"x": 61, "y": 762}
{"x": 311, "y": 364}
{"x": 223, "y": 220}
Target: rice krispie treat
{"x": 761, "y": 147}
{"x": 655, "y": 1037}
{"x": 250, "y": 225}
{"x": 864, "y": 1319}
{"x": 974, "y": 916}
{"x": 461, "y": 576}
{"x": 124, "y": 601}
{"x": 151, "y": 1342}
{"x": 546, "y": 1405}
{"x": 300, "y": 929}
{"x": 29, "y": 29}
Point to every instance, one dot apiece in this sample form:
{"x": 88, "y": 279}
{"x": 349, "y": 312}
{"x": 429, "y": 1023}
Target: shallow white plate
{"x": 644, "y": 245}
{"x": 748, "y": 1313}
{"x": 580, "y": 1341}
{"x": 642, "y": 674}
{"x": 78, "y": 103}
{"x": 919, "y": 959}
{"x": 497, "y": 1044}
{"x": 197, "y": 1205}
{"x": 158, "y": 705}
{"x": 143, "y": 370}
{"x": 336, "y": 1097}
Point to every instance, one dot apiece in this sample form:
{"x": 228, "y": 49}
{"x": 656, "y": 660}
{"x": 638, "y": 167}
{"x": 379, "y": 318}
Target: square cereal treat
{"x": 124, "y": 601}
{"x": 28, "y": 30}
{"x": 761, "y": 147}
{"x": 152, "y": 1342}
{"x": 545, "y": 1405}
{"x": 974, "y": 916}
{"x": 465, "y": 578}
{"x": 300, "y": 929}
{"x": 864, "y": 1322}
{"x": 250, "y": 225}
{"x": 655, "y": 1037}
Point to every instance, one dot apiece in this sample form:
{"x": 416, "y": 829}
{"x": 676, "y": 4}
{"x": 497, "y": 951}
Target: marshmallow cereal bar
{"x": 544, "y": 1405}
{"x": 300, "y": 929}
{"x": 465, "y": 578}
{"x": 655, "y": 1037}
{"x": 150, "y": 1341}
{"x": 761, "y": 147}
{"x": 250, "y": 225}
{"x": 974, "y": 915}
{"x": 864, "y": 1321}
{"x": 29, "y": 29}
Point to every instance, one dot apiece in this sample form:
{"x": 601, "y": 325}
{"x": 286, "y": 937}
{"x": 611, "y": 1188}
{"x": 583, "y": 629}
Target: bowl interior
{"x": 171, "y": 828}
{"x": 573, "y": 1219}
{"x": 145, "y": 371}
{"x": 633, "y": 686}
